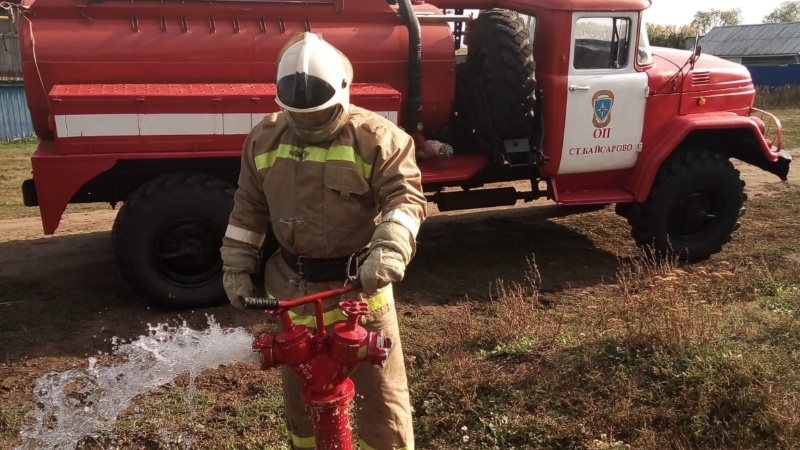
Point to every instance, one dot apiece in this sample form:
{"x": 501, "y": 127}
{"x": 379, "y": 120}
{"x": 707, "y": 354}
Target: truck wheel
{"x": 693, "y": 208}
{"x": 500, "y": 65}
{"x": 167, "y": 237}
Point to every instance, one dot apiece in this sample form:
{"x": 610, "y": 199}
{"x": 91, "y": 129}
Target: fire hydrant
{"x": 324, "y": 361}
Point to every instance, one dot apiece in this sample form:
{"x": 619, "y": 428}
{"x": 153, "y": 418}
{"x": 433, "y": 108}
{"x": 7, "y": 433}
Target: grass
{"x": 16, "y": 169}
{"x": 790, "y": 119}
{"x": 576, "y": 353}
{"x": 665, "y": 357}
{"x": 783, "y": 103}
{"x": 778, "y": 98}
{"x": 659, "y": 356}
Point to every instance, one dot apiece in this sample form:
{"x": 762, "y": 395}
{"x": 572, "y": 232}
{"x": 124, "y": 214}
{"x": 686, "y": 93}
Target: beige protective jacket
{"x": 324, "y": 201}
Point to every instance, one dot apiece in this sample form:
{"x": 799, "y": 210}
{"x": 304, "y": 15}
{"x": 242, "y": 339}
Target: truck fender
{"x": 58, "y": 178}
{"x": 678, "y": 132}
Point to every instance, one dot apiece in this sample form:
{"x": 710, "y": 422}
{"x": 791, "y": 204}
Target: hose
{"x": 414, "y": 105}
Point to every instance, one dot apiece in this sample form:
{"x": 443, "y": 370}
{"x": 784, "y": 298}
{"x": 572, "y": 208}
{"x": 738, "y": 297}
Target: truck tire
{"x": 500, "y": 65}
{"x": 167, "y": 236}
{"x": 693, "y": 208}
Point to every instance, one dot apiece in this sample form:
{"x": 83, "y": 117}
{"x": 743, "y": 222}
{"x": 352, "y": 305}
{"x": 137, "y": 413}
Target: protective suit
{"x": 337, "y": 184}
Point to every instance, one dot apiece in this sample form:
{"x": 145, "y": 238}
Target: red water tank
{"x": 64, "y": 42}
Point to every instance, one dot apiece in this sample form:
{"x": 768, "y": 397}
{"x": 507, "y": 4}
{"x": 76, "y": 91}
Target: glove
{"x": 237, "y": 265}
{"x": 392, "y": 248}
{"x": 238, "y": 285}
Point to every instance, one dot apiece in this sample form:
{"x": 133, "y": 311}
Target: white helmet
{"x": 313, "y": 76}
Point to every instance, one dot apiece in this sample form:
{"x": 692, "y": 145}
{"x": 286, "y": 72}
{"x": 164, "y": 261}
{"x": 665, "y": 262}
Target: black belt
{"x": 317, "y": 270}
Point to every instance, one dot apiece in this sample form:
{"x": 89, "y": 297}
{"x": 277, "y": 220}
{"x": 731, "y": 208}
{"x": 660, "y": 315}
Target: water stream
{"x": 77, "y": 403}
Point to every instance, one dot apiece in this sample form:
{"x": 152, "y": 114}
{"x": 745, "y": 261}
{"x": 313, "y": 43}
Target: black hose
{"x": 261, "y": 303}
{"x": 414, "y": 96}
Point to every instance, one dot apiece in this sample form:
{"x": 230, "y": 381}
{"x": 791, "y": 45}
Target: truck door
{"x": 605, "y": 95}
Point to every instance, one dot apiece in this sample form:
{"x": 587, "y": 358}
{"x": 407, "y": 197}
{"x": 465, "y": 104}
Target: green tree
{"x": 706, "y": 20}
{"x": 670, "y": 35}
{"x": 785, "y": 12}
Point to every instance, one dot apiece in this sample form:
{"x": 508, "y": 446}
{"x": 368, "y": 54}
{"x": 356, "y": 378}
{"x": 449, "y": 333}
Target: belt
{"x": 316, "y": 270}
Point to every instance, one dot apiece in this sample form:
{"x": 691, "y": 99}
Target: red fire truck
{"x": 146, "y": 103}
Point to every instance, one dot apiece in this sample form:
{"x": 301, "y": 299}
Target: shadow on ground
{"x": 60, "y": 295}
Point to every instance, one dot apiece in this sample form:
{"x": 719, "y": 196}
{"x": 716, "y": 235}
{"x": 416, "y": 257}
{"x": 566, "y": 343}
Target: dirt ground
{"x": 67, "y": 301}
{"x": 78, "y": 260}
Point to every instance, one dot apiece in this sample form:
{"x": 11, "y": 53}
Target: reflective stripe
{"x": 335, "y": 315}
{"x": 347, "y": 153}
{"x": 404, "y": 219}
{"x": 246, "y": 236}
{"x": 302, "y": 442}
{"x": 149, "y": 124}
{"x": 316, "y": 154}
{"x": 364, "y": 446}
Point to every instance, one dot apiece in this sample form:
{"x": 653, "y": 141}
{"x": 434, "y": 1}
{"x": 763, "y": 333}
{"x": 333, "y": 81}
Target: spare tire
{"x": 501, "y": 70}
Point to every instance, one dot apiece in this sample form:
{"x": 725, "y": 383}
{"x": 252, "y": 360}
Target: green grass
{"x": 16, "y": 169}
{"x": 790, "y": 119}
{"x": 783, "y": 103}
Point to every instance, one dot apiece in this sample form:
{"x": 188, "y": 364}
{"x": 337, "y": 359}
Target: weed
{"x": 781, "y": 97}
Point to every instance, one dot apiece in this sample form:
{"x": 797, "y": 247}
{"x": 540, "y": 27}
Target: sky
{"x": 681, "y": 12}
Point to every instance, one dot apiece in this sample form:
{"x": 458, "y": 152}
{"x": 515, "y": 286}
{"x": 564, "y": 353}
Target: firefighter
{"x": 338, "y": 185}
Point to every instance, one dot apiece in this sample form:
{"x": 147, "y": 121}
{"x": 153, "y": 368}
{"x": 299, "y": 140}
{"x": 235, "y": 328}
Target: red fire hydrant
{"x": 324, "y": 361}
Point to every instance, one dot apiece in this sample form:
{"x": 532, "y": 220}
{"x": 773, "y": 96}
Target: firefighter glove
{"x": 237, "y": 265}
{"x": 392, "y": 248}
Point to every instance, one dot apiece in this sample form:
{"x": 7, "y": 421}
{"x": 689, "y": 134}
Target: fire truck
{"x": 147, "y": 103}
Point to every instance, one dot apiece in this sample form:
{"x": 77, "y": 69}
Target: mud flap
{"x": 781, "y": 166}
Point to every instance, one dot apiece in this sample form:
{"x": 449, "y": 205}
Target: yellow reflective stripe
{"x": 316, "y": 154}
{"x": 332, "y": 316}
{"x": 335, "y": 315}
{"x": 302, "y": 442}
{"x": 364, "y": 446}
{"x": 347, "y": 153}
{"x": 267, "y": 160}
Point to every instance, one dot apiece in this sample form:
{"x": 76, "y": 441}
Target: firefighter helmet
{"x": 313, "y": 87}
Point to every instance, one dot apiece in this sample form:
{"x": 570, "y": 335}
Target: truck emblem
{"x": 602, "y": 102}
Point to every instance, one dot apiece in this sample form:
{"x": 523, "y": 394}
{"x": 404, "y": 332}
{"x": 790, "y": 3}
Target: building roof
{"x": 770, "y": 39}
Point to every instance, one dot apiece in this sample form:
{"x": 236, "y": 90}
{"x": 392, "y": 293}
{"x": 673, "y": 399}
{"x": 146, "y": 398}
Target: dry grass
{"x": 661, "y": 356}
{"x": 579, "y": 353}
{"x": 667, "y": 357}
{"x": 778, "y": 98}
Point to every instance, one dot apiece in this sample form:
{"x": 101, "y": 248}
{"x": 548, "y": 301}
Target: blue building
{"x": 770, "y": 51}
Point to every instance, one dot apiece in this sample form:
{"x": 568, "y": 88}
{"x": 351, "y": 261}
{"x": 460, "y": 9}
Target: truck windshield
{"x": 644, "y": 55}
{"x": 530, "y": 24}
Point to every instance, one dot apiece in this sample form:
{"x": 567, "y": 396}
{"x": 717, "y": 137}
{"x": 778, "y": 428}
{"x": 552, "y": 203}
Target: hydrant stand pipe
{"x": 323, "y": 361}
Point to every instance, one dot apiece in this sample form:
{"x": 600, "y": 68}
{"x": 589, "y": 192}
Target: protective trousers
{"x": 382, "y": 404}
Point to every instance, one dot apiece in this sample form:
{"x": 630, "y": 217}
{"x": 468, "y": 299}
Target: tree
{"x": 785, "y": 12}
{"x": 670, "y": 35}
{"x": 706, "y": 20}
